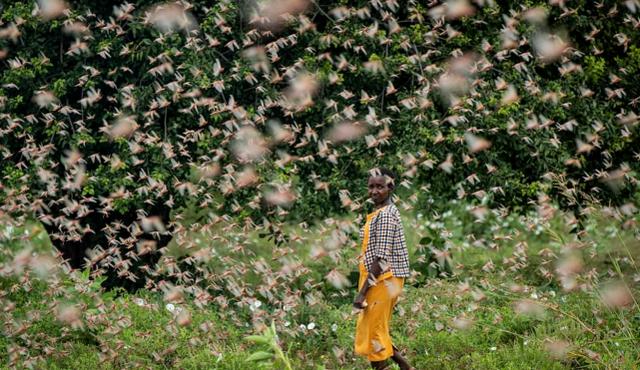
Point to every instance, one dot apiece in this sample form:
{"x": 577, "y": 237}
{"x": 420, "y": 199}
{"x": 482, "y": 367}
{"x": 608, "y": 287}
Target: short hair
{"x": 383, "y": 171}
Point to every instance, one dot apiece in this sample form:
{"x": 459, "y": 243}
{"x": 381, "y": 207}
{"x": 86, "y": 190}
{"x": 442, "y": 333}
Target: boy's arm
{"x": 381, "y": 246}
{"x": 376, "y": 270}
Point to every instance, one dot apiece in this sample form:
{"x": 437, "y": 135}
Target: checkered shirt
{"x": 386, "y": 241}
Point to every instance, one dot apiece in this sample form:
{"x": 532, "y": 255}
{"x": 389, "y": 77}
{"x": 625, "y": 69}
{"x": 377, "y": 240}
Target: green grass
{"x": 118, "y": 332}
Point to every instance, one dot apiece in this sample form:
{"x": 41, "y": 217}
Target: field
{"x": 506, "y": 306}
{"x": 182, "y": 183}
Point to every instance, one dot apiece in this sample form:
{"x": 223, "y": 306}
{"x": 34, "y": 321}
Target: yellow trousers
{"x": 372, "y": 329}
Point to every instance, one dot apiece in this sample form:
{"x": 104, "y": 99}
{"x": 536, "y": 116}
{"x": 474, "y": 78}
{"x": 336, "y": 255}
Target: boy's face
{"x": 379, "y": 188}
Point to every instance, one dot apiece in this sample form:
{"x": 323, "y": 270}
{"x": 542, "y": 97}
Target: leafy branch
{"x": 273, "y": 354}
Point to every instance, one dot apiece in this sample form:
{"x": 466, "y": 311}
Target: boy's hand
{"x": 359, "y": 302}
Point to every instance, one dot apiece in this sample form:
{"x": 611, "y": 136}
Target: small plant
{"x": 436, "y": 261}
{"x": 273, "y": 354}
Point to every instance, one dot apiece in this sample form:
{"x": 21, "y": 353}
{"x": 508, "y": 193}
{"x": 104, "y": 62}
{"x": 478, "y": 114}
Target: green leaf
{"x": 259, "y": 356}
{"x": 425, "y": 240}
{"x": 257, "y": 339}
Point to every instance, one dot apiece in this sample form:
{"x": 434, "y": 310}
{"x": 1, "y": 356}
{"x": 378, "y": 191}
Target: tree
{"x": 114, "y": 119}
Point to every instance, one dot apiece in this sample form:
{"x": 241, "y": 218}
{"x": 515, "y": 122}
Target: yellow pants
{"x": 372, "y": 330}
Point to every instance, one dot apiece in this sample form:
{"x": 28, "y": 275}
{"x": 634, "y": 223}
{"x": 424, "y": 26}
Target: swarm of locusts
{"x": 128, "y": 118}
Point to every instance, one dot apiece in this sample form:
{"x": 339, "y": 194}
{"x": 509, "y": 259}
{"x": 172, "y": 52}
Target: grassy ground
{"x": 504, "y": 308}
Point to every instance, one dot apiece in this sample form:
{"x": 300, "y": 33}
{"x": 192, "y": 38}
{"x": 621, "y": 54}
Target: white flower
{"x": 173, "y": 308}
{"x": 303, "y": 327}
{"x": 311, "y": 325}
{"x": 493, "y": 348}
{"x": 255, "y": 305}
{"x": 139, "y": 301}
{"x": 286, "y": 324}
{"x": 334, "y": 327}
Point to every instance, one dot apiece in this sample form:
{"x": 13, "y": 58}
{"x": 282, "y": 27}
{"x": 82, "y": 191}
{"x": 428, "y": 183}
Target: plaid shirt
{"x": 386, "y": 241}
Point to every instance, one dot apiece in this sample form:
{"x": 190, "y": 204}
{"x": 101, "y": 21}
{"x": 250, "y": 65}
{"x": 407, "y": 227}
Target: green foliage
{"x": 435, "y": 260}
{"x": 188, "y": 118}
{"x": 424, "y": 325}
{"x": 273, "y": 356}
{"x": 523, "y": 155}
{"x": 595, "y": 69}
{"x": 318, "y": 335}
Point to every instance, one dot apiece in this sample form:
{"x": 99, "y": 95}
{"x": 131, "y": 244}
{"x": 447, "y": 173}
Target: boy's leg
{"x": 400, "y": 360}
{"x": 379, "y": 365}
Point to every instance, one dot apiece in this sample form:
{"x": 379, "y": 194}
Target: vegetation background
{"x": 209, "y": 160}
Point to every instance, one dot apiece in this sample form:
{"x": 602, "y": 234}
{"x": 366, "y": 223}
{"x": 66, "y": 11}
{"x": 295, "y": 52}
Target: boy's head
{"x": 381, "y": 184}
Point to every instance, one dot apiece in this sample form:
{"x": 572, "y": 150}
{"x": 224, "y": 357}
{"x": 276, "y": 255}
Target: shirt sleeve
{"x": 386, "y": 229}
